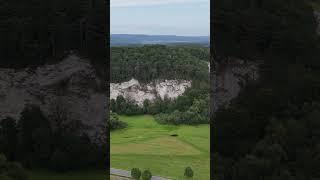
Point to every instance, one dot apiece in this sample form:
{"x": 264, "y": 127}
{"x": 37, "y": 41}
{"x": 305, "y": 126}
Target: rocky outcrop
{"x": 138, "y": 92}
{"x": 230, "y": 77}
{"x": 71, "y": 85}
{"x": 317, "y": 17}
{"x": 228, "y": 80}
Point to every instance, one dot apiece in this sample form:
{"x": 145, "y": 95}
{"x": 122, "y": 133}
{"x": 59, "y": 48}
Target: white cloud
{"x": 128, "y": 3}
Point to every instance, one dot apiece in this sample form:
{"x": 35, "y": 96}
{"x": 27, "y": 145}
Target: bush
{"x": 3, "y": 160}
{"x": 60, "y": 161}
{"x": 188, "y": 172}
{"x": 4, "y": 177}
{"x": 135, "y": 173}
{"x": 16, "y": 171}
{"x": 114, "y": 122}
{"x": 8, "y": 137}
{"x": 11, "y": 170}
{"x": 146, "y": 175}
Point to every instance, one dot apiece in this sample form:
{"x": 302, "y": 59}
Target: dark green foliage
{"x": 158, "y": 62}
{"x": 146, "y": 106}
{"x": 166, "y": 111}
{"x": 146, "y": 175}
{"x": 270, "y": 131}
{"x": 8, "y": 137}
{"x": 36, "y": 32}
{"x": 31, "y": 123}
{"x": 153, "y": 62}
{"x": 255, "y": 29}
{"x": 190, "y": 108}
{"x": 59, "y": 161}
{"x": 197, "y": 114}
{"x": 36, "y": 143}
{"x": 11, "y": 170}
{"x": 114, "y": 122}
{"x": 124, "y": 106}
{"x": 135, "y": 173}
{"x": 188, "y": 172}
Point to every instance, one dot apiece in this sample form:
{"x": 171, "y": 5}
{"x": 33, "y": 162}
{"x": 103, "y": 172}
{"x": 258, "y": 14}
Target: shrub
{"x": 4, "y": 177}
{"x": 135, "y": 173}
{"x": 11, "y": 170}
{"x": 60, "y": 161}
{"x": 114, "y": 122}
{"x": 8, "y": 137}
{"x": 3, "y": 160}
{"x": 146, "y": 175}
{"x": 16, "y": 171}
{"x": 188, "y": 172}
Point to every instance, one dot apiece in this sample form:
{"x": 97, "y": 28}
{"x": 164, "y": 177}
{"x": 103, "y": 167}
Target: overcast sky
{"x": 161, "y": 17}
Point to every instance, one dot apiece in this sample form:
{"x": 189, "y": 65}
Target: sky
{"x": 160, "y": 17}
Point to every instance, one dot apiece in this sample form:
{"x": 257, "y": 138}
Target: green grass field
{"x": 148, "y": 145}
{"x": 45, "y": 175}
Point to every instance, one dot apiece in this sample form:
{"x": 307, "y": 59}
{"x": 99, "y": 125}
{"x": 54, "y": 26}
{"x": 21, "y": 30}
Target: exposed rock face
{"x": 139, "y": 92}
{"x": 71, "y": 84}
{"x": 230, "y": 77}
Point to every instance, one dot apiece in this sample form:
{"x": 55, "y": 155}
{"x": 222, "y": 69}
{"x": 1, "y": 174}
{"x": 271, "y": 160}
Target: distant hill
{"x": 132, "y": 39}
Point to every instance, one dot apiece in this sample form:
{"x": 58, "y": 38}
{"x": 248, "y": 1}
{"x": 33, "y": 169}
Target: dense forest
{"x": 152, "y": 62}
{"x": 271, "y": 131}
{"x": 54, "y": 143}
{"x": 36, "y": 32}
{"x": 190, "y": 108}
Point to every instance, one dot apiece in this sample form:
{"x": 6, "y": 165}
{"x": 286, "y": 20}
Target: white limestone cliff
{"x": 71, "y": 83}
{"x": 138, "y": 92}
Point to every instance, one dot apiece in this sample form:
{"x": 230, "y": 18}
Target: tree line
{"x": 37, "y": 32}
{"x": 57, "y": 143}
{"x": 190, "y": 108}
{"x": 152, "y": 62}
{"x": 271, "y": 130}
{"x": 155, "y": 62}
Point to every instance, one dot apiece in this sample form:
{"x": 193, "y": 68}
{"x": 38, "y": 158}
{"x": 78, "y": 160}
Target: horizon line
{"x": 159, "y": 35}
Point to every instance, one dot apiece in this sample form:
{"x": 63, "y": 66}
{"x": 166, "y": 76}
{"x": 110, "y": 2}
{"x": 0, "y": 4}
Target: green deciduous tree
{"x": 146, "y": 175}
{"x": 135, "y": 173}
{"x": 188, "y": 172}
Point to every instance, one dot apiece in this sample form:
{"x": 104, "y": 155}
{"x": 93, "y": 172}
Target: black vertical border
{"x": 108, "y": 57}
{"x": 212, "y": 84}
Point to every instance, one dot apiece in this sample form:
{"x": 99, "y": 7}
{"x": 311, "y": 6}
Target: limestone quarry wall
{"x": 138, "y": 92}
{"x": 71, "y": 84}
{"x": 229, "y": 79}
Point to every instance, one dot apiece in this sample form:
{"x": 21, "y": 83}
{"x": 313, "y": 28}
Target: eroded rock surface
{"x": 139, "y": 92}
{"x": 230, "y": 77}
{"x": 72, "y": 84}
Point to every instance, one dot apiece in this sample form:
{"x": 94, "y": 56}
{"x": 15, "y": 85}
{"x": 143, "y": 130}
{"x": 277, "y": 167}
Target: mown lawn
{"x": 148, "y": 145}
{"x": 85, "y": 175}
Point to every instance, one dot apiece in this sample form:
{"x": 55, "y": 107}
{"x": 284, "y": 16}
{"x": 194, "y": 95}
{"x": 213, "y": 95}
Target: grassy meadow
{"x": 164, "y": 149}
